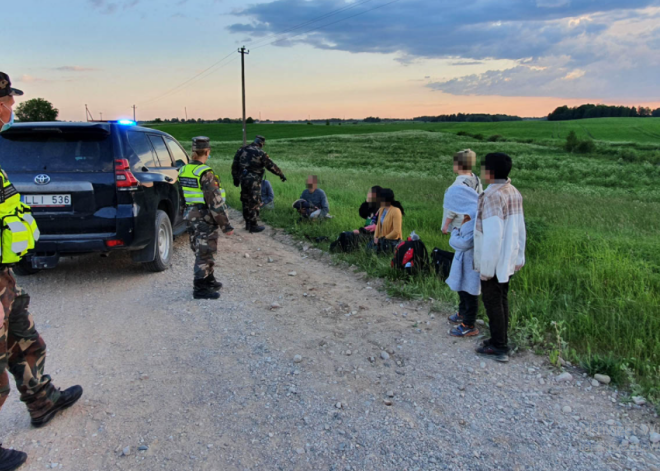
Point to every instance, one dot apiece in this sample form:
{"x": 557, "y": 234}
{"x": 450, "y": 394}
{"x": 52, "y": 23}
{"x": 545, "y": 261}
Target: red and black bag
{"x": 411, "y": 256}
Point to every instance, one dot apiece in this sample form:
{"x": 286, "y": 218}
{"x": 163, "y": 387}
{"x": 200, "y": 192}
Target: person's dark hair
{"x": 387, "y": 196}
{"x": 499, "y": 164}
{"x": 376, "y": 189}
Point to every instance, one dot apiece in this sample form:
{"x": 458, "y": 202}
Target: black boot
{"x": 204, "y": 291}
{"x": 67, "y": 399}
{"x": 211, "y": 282}
{"x": 11, "y": 459}
{"x": 256, "y": 228}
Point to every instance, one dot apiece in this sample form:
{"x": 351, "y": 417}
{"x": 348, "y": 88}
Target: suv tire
{"x": 24, "y": 267}
{"x": 164, "y": 243}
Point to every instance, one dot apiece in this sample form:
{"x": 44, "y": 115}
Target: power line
{"x": 189, "y": 80}
{"x": 330, "y": 24}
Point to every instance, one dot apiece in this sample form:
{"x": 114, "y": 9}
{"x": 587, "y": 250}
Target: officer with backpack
{"x": 22, "y": 350}
{"x": 205, "y": 214}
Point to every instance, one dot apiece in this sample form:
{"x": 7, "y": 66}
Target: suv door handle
{"x": 169, "y": 179}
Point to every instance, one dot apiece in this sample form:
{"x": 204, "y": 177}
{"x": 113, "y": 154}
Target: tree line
{"x": 564, "y": 113}
{"x": 468, "y": 118}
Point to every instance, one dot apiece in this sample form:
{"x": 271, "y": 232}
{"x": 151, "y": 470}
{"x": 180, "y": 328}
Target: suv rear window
{"x": 56, "y": 152}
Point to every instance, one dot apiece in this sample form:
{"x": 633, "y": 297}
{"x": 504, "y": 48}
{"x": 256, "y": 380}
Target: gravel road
{"x": 316, "y": 369}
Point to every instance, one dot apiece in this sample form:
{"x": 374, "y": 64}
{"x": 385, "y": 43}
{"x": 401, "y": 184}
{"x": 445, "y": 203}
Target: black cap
{"x": 260, "y": 140}
{"x": 5, "y": 87}
{"x": 201, "y": 143}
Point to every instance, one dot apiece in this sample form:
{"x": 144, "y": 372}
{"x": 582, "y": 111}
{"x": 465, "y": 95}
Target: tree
{"x": 644, "y": 112}
{"x": 656, "y": 113}
{"x": 327, "y": 122}
{"x": 35, "y": 110}
{"x": 249, "y": 120}
{"x": 372, "y": 119}
{"x": 158, "y": 120}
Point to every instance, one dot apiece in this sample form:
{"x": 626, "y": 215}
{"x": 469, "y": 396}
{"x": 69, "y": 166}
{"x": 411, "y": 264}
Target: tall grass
{"x": 593, "y": 259}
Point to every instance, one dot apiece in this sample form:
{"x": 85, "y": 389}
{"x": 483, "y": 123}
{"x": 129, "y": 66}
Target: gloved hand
{"x": 237, "y": 183}
{"x": 283, "y": 178}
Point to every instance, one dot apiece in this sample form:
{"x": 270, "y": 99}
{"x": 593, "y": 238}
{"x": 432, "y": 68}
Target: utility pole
{"x": 101, "y": 116}
{"x": 134, "y": 113}
{"x": 242, "y": 52}
{"x": 185, "y": 108}
{"x": 86, "y": 113}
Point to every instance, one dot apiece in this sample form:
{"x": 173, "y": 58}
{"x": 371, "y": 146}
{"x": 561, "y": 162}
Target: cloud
{"x": 74, "y": 68}
{"x": 106, "y": 7}
{"x": 562, "y": 47}
{"x": 30, "y": 78}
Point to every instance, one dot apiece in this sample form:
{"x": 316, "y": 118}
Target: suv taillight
{"x": 123, "y": 176}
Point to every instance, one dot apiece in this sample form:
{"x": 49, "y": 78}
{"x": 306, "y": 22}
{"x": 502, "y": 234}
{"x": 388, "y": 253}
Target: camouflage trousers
{"x": 251, "y": 198}
{"x": 204, "y": 242}
{"x": 22, "y": 350}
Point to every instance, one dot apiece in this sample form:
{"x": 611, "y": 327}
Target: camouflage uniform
{"x": 248, "y": 171}
{"x": 22, "y": 350}
{"x": 204, "y": 220}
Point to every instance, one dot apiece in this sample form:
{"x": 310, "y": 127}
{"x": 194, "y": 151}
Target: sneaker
{"x": 11, "y": 459}
{"x": 464, "y": 331}
{"x": 495, "y": 353}
{"x": 455, "y": 318}
{"x": 67, "y": 399}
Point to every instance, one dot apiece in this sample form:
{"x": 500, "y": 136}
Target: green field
{"x": 593, "y": 260}
{"x": 637, "y": 130}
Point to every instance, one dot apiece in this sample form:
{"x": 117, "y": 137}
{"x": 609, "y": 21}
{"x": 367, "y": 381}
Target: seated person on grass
{"x": 312, "y": 204}
{"x": 369, "y": 211}
{"x": 389, "y": 226}
{"x": 267, "y": 195}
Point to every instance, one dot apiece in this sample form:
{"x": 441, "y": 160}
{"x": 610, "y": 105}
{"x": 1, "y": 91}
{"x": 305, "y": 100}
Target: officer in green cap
{"x": 22, "y": 350}
{"x": 206, "y": 213}
{"x": 248, "y": 170}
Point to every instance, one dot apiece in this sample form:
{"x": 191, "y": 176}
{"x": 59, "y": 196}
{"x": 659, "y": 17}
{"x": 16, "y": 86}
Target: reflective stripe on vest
{"x": 19, "y": 229}
{"x": 190, "y": 176}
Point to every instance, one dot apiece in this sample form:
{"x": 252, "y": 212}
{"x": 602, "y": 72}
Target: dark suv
{"x": 97, "y": 187}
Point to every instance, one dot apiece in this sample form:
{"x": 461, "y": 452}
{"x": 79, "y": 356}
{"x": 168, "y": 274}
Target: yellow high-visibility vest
{"x": 19, "y": 229}
{"x": 190, "y": 176}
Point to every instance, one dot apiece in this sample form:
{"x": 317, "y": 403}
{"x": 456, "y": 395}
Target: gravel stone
{"x": 603, "y": 379}
{"x": 564, "y": 377}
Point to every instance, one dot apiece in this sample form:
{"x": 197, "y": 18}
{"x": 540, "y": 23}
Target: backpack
{"x": 441, "y": 261}
{"x": 411, "y": 257}
{"x": 347, "y": 242}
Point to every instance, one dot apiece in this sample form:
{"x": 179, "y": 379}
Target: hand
{"x": 356, "y": 231}
{"x": 237, "y": 183}
{"x": 283, "y": 178}
{"x": 375, "y": 240}
{"x": 485, "y": 278}
{"x": 518, "y": 268}
{"x": 445, "y": 230}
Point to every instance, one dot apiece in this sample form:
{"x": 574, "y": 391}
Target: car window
{"x": 161, "y": 150}
{"x": 176, "y": 151}
{"x": 140, "y": 145}
{"x": 47, "y": 152}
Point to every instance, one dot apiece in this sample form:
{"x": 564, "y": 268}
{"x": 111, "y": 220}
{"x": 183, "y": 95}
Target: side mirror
{"x": 179, "y": 163}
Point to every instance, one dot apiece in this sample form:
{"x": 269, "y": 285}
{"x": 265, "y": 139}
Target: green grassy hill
{"x": 639, "y": 130}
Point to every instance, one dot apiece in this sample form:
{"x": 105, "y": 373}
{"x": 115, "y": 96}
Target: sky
{"x": 331, "y": 58}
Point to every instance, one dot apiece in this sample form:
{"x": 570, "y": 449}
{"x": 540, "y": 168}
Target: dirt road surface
{"x": 338, "y": 377}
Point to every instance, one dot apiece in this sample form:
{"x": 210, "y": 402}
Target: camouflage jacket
{"x": 215, "y": 211}
{"x": 251, "y": 160}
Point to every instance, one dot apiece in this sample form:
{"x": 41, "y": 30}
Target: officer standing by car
{"x": 248, "y": 172}
{"x": 205, "y": 214}
{"x": 22, "y": 349}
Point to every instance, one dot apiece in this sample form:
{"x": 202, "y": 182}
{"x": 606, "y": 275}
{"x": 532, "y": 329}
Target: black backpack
{"x": 411, "y": 257}
{"x": 347, "y": 242}
{"x": 442, "y": 260}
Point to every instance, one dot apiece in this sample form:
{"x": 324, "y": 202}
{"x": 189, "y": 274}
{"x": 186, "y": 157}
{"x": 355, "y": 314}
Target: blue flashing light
{"x": 127, "y": 122}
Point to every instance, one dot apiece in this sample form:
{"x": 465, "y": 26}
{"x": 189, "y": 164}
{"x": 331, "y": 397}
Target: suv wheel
{"x": 163, "y": 238}
{"x": 24, "y": 267}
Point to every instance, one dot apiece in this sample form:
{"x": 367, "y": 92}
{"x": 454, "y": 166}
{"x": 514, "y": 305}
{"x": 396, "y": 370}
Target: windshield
{"x": 40, "y": 152}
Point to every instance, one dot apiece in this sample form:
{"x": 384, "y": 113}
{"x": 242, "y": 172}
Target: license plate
{"x": 47, "y": 201}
